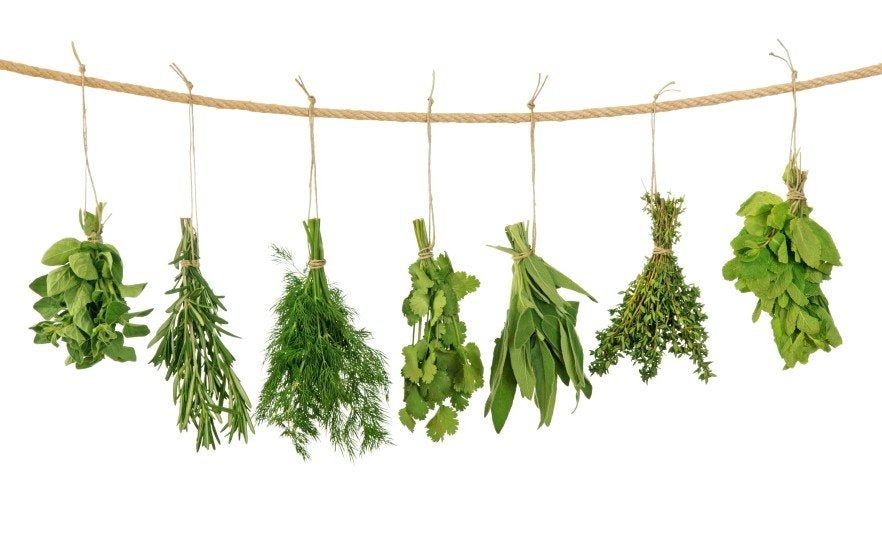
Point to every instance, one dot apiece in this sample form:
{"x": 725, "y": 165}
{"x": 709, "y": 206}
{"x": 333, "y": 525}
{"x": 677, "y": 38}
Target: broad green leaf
{"x": 406, "y": 419}
{"x": 411, "y": 369}
{"x": 805, "y": 241}
{"x": 131, "y": 331}
{"x": 130, "y": 291}
{"x": 82, "y": 265}
{"x": 758, "y": 203}
{"x": 443, "y": 422}
{"x": 60, "y": 251}
{"x": 828, "y": 249}
{"x": 47, "y": 307}
{"x": 60, "y": 280}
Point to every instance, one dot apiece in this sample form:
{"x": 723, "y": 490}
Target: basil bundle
{"x": 659, "y": 311}
{"x": 83, "y": 298}
{"x": 206, "y": 389}
{"x": 440, "y": 368}
{"x": 321, "y": 371}
{"x": 538, "y": 343}
{"x": 782, "y": 256}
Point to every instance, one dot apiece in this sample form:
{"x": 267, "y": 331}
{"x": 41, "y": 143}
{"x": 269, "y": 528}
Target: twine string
{"x": 194, "y": 206}
{"x": 531, "y": 105}
{"x": 313, "y": 180}
{"x": 666, "y": 88}
{"x": 786, "y": 59}
{"x": 88, "y": 180}
{"x": 315, "y": 264}
{"x": 426, "y": 253}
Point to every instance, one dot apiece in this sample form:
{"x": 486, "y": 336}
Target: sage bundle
{"x": 538, "y": 343}
{"x": 659, "y": 311}
{"x": 321, "y": 373}
{"x": 440, "y": 369}
{"x": 83, "y": 298}
{"x": 782, "y": 256}
{"x": 190, "y": 347}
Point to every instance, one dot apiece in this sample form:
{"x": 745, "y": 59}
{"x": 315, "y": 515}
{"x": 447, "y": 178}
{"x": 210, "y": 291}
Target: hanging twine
{"x": 426, "y": 252}
{"x": 795, "y": 193}
{"x": 194, "y": 208}
{"x": 531, "y": 105}
{"x": 87, "y": 168}
{"x": 313, "y": 181}
{"x": 667, "y": 87}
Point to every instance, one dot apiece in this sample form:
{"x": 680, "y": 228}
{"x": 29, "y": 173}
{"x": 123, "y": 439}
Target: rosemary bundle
{"x": 83, "y": 298}
{"x": 206, "y": 389}
{"x": 539, "y": 343}
{"x": 440, "y": 369}
{"x": 321, "y": 371}
{"x": 659, "y": 311}
{"x": 782, "y": 255}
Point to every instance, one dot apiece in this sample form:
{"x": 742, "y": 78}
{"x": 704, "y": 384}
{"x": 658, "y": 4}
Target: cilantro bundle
{"x": 440, "y": 369}
{"x": 83, "y": 298}
{"x": 782, "y": 255}
{"x": 206, "y": 389}
{"x": 321, "y": 371}
{"x": 659, "y": 311}
{"x": 539, "y": 343}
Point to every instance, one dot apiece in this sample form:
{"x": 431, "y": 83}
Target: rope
{"x": 87, "y": 168}
{"x": 420, "y": 117}
{"x": 540, "y": 84}
{"x": 663, "y": 90}
{"x": 313, "y": 181}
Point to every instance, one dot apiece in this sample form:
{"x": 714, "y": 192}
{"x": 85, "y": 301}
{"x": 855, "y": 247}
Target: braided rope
{"x": 420, "y": 117}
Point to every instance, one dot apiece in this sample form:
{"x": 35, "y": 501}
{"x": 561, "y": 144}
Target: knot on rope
{"x": 795, "y": 195}
{"x": 188, "y": 263}
{"x": 315, "y": 264}
{"x": 662, "y": 250}
{"x": 311, "y": 100}
{"x": 425, "y": 253}
{"x": 518, "y": 257}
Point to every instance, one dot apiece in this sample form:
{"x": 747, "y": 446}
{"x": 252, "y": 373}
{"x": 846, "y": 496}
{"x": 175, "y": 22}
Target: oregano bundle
{"x": 538, "y": 343}
{"x": 782, "y": 256}
{"x": 440, "y": 369}
{"x": 321, "y": 372}
{"x": 659, "y": 311}
{"x": 83, "y": 298}
{"x": 205, "y": 388}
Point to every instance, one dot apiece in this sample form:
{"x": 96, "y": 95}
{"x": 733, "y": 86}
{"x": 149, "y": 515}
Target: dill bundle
{"x": 440, "y": 369}
{"x": 659, "y": 311}
{"x": 321, "y": 372}
{"x": 206, "y": 389}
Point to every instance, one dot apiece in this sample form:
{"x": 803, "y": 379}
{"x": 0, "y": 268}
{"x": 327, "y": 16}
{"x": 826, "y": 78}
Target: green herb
{"x": 782, "y": 256}
{"x": 659, "y": 311}
{"x": 539, "y": 341}
{"x": 206, "y": 389}
{"x": 321, "y": 371}
{"x": 83, "y": 298}
{"x": 439, "y": 367}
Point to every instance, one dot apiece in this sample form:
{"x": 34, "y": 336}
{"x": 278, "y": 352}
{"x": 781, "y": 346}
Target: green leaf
{"x": 463, "y": 284}
{"x": 828, "y": 250}
{"x": 131, "y": 291}
{"x": 82, "y": 265}
{"x": 60, "y": 280}
{"x": 805, "y": 241}
{"x": 444, "y": 422}
{"x": 39, "y": 286}
{"x": 429, "y": 369}
{"x": 419, "y": 303}
{"x": 406, "y": 419}
{"x": 58, "y": 254}
{"x": 118, "y": 352}
{"x": 115, "y": 310}
{"x": 411, "y": 369}
{"x": 416, "y": 405}
{"x": 47, "y": 307}
{"x": 131, "y": 331}
{"x": 524, "y": 329}
{"x": 778, "y": 215}
{"x": 759, "y": 202}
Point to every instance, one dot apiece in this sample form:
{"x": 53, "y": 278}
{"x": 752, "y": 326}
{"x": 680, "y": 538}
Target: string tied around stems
{"x": 426, "y": 252}
{"x": 531, "y": 105}
{"x": 315, "y": 264}
{"x": 313, "y": 181}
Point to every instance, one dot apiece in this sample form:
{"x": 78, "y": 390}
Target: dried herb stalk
{"x": 321, "y": 372}
{"x": 782, "y": 256}
{"x": 205, "y": 388}
{"x": 83, "y": 298}
{"x": 659, "y": 311}
{"x": 440, "y": 369}
{"x": 539, "y": 343}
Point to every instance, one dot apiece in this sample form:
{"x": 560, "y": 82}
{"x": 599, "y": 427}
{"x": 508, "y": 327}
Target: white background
{"x": 759, "y": 454}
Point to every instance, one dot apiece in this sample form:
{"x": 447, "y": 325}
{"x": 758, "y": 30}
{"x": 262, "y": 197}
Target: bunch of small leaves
{"x": 659, "y": 311}
{"x": 782, "y": 255}
{"x": 321, "y": 371}
{"x": 539, "y": 343}
{"x": 83, "y": 298}
{"x": 205, "y": 387}
{"x": 440, "y": 369}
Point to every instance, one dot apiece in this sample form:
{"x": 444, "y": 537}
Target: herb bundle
{"x": 83, "y": 298}
{"x": 659, "y": 311}
{"x": 206, "y": 389}
{"x": 782, "y": 255}
{"x": 321, "y": 371}
{"x": 538, "y": 343}
{"x": 440, "y": 369}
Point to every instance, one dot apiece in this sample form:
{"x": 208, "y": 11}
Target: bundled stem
{"x": 205, "y": 388}
{"x": 659, "y": 311}
{"x": 321, "y": 372}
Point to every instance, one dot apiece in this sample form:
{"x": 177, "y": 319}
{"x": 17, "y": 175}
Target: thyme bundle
{"x": 659, "y": 311}
{"x": 205, "y": 387}
{"x": 782, "y": 256}
{"x": 538, "y": 343}
{"x": 83, "y": 298}
{"x": 440, "y": 369}
{"x": 321, "y": 371}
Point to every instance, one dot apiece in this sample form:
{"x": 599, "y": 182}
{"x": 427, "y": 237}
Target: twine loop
{"x": 313, "y": 180}
{"x": 665, "y": 88}
{"x": 425, "y": 253}
{"x": 431, "y": 227}
{"x": 88, "y": 180}
{"x": 188, "y": 263}
{"x": 194, "y": 206}
{"x": 531, "y": 105}
{"x": 315, "y": 264}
